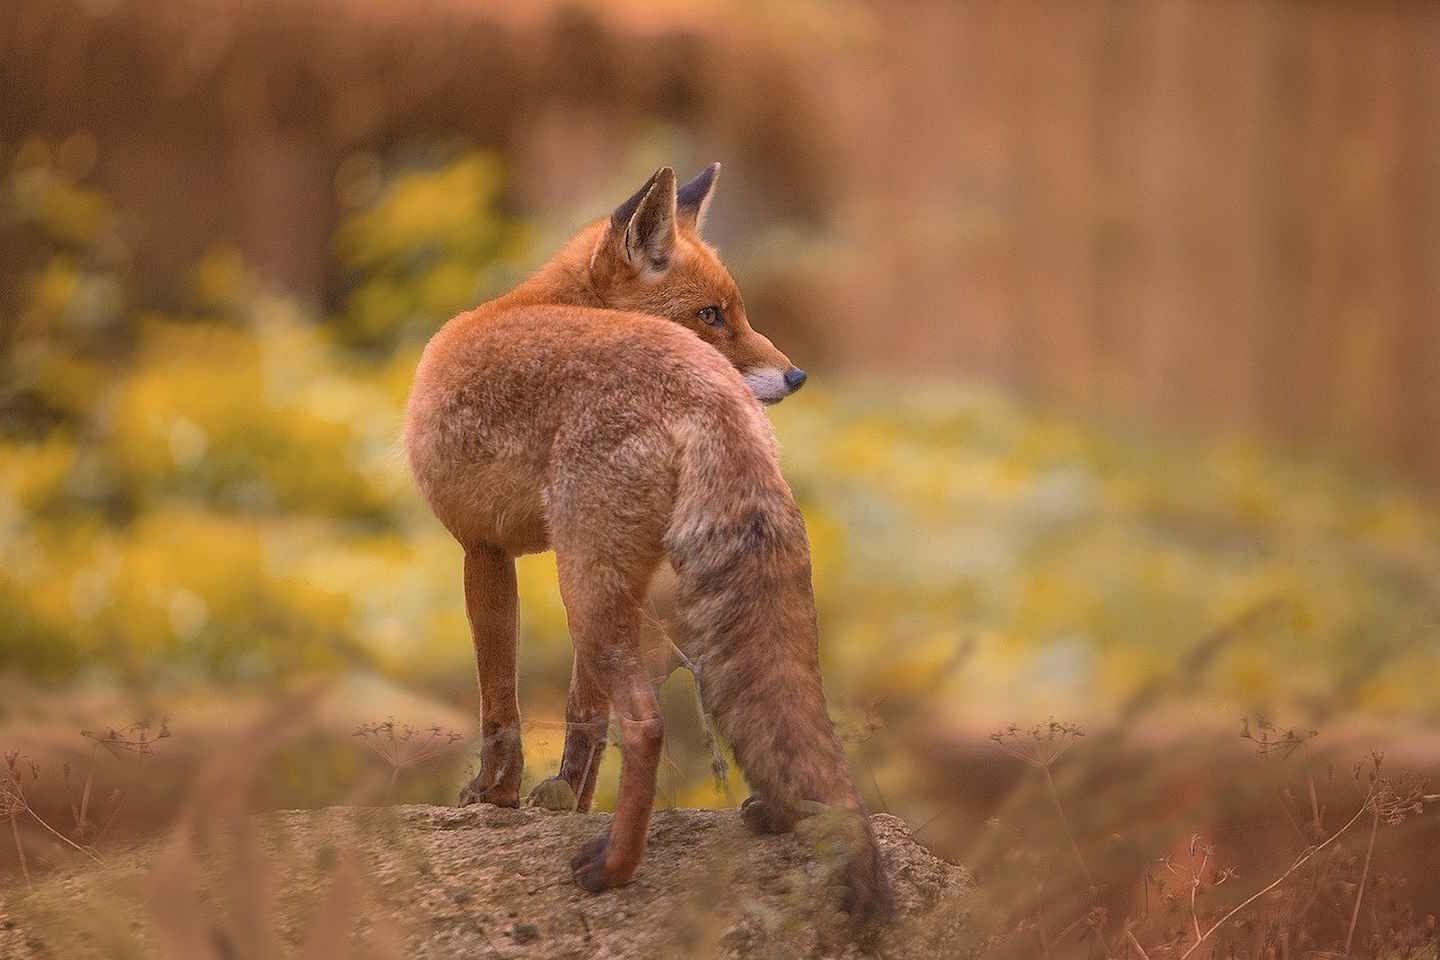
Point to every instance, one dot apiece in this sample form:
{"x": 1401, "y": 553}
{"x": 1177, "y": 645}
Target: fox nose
{"x": 794, "y": 378}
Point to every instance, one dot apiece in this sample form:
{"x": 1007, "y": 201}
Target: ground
{"x": 438, "y": 882}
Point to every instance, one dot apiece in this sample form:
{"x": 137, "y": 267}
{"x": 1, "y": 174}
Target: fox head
{"x": 650, "y": 258}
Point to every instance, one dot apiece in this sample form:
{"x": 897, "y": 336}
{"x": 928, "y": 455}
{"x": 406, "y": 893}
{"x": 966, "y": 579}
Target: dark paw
{"x": 752, "y": 812}
{"x": 476, "y": 792}
{"x": 553, "y": 794}
{"x": 762, "y": 818}
{"x": 588, "y": 866}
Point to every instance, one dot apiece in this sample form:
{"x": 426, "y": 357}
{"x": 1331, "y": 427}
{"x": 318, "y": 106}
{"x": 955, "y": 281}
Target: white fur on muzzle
{"x": 767, "y": 384}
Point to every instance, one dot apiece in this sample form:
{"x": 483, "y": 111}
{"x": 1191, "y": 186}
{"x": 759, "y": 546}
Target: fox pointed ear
{"x": 692, "y": 201}
{"x": 643, "y": 227}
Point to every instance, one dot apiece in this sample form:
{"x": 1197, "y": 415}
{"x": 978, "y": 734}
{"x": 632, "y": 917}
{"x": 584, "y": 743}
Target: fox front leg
{"x": 490, "y": 604}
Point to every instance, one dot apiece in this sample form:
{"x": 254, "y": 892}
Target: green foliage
{"x": 262, "y": 419}
{"x": 427, "y": 246}
{"x": 1075, "y": 564}
{"x": 221, "y": 493}
{"x": 63, "y": 302}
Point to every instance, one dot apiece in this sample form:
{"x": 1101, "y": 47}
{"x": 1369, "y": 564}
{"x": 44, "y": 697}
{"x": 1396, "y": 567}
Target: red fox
{"x": 606, "y": 409}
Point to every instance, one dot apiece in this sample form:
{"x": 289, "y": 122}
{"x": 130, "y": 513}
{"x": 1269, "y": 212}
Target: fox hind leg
{"x": 490, "y": 603}
{"x": 587, "y": 709}
{"x": 605, "y": 618}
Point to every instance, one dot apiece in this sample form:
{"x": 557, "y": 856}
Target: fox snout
{"x": 773, "y": 384}
{"x": 766, "y": 371}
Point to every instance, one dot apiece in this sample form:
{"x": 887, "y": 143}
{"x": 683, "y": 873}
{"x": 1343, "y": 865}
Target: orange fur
{"x": 595, "y": 411}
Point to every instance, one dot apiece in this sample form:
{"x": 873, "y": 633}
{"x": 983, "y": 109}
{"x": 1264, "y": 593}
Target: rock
{"x": 481, "y": 881}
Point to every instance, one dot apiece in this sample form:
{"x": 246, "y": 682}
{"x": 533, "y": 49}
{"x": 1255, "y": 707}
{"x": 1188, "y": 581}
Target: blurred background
{"x": 1123, "y": 327}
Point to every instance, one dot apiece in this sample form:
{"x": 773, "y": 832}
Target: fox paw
{"x": 553, "y": 794}
{"x": 588, "y": 866}
{"x": 755, "y": 815}
{"x": 477, "y": 791}
{"x": 763, "y": 817}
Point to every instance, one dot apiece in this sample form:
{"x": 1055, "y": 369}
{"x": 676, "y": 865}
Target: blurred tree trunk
{"x": 1413, "y": 39}
{"x": 1113, "y": 307}
{"x": 281, "y": 183}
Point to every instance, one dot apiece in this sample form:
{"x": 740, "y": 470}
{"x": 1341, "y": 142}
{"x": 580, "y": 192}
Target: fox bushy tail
{"x": 738, "y": 545}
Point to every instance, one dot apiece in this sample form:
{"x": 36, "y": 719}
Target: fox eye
{"x": 712, "y": 315}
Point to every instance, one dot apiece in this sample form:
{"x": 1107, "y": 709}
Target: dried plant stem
{"x": 1065, "y": 823}
{"x": 1136, "y": 944}
{"x": 1194, "y": 888}
{"x": 1285, "y": 806}
{"x": 114, "y": 812}
{"x": 20, "y": 849}
{"x": 1364, "y": 876}
{"x": 1194, "y": 917}
{"x": 884, "y": 807}
{"x": 1300, "y": 862}
{"x": 718, "y": 765}
{"x": 82, "y": 819}
{"x": 590, "y": 771}
{"x": 64, "y": 839}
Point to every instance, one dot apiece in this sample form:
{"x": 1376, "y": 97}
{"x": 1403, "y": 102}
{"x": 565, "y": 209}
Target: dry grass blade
{"x": 1364, "y": 876}
{"x": 719, "y": 767}
{"x": 1130, "y": 936}
{"x": 1300, "y": 862}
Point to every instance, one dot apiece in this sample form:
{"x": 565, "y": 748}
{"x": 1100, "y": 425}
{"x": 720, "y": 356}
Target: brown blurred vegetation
{"x": 1199, "y": 242}
{"x": 1226, "y": 213}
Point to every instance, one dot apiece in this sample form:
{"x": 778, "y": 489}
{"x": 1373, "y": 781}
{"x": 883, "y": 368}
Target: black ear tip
{"x": 692, "y": 194}
{"x": 626, "y": 210}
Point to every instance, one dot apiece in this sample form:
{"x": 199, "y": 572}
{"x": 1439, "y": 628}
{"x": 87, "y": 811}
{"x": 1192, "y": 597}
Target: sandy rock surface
{"x": 437, "y": 882}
